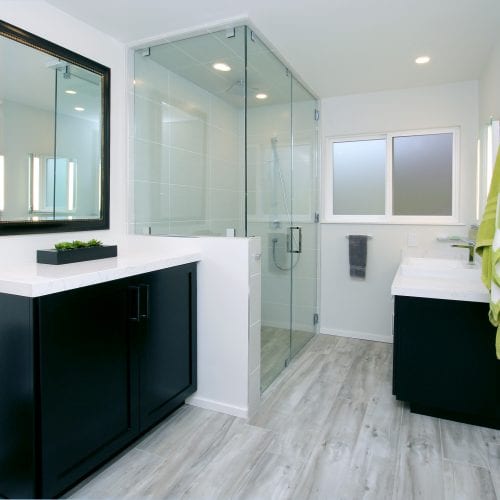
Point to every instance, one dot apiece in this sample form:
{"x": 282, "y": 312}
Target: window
{"x": 403, "y": 177}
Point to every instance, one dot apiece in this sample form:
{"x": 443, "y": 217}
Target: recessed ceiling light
{"x": 261, "y": 96}
{"x": 70, "y": 92}
{"x": 79, "y": 108}
{"x": 220, "y": 66}
{"x": 422, "y": 59}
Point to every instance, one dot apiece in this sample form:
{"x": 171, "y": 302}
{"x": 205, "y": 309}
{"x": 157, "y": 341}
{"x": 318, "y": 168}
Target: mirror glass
{"x": 54, "y": 128}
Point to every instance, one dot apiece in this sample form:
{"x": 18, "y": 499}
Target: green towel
{"x": 484, "y": 242}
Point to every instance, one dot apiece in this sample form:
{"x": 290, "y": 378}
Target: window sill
{"x": 392, "y": 222}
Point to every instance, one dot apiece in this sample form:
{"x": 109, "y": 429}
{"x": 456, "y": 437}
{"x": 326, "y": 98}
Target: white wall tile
{"x": 188, "y": 169}
{"x": 151, "y": 162}
{"x": 255, "y": 256}
{"x": 254, "y": 346}
{"x": 190, "y": 135}
{"x": 188, "y": 203}
{"x": 152, "y": 201}
{"x": 254, "y": 392}
{"x": 255, "y": 299}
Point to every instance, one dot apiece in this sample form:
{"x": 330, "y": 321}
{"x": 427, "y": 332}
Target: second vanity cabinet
{"x": 84, "y": 372}
{"x": 444, "y": 359}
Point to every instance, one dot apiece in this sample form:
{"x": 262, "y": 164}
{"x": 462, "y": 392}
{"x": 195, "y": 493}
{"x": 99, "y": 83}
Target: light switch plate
{"x": 412, "y": 240}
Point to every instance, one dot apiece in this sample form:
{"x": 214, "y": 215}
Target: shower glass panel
{"x": 304, "y": 203}
{"x": 189, "y": 176}
{"x": 225, "y": 139}
{"x": 269, "y": 190}
{"x": 76, "y": 174}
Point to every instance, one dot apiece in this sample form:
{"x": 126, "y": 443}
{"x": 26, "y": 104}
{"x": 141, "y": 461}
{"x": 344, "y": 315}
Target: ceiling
{"x": 29, "y": 78}
{"x": 337, "y": 47}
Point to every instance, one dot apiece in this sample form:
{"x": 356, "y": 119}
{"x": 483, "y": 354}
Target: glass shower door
{"x": 304, "y": 310}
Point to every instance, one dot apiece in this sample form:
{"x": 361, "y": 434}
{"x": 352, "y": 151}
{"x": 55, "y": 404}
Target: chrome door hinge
{"x": 315, "y": 319}
{"x": 252, "y": 36}
{"x": 316, "y": 217}
{"x": 231, "y": 33}
{"x": 146, "y": 52}
{"x": 287, "y": 71}
{"x": 316, "y": 114}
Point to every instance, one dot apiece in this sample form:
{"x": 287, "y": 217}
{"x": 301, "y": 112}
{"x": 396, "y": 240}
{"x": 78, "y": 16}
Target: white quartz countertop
{"x": 439, "y": 279}
{"x": 29, "y": 279}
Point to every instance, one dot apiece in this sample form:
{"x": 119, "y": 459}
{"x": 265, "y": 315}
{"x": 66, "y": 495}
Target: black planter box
{"x": 57, "y": 257}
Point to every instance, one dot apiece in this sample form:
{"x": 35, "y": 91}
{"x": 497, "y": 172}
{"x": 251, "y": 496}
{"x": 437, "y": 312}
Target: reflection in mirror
{"x": 52, "y": 187}
{"x": 54, "y": 137}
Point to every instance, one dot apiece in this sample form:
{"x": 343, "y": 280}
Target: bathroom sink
{"x": 450, "y": 279}
{"x": 447, "y": 269}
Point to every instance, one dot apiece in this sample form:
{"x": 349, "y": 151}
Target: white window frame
{"x": 388, "y": 217}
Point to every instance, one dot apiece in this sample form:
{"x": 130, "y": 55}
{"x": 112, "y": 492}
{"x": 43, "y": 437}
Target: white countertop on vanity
{"x": 439, "y": 279}
{"x": 136, "y": 255}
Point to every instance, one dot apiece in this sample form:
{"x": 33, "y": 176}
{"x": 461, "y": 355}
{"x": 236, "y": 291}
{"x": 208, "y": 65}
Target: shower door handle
{"x": 293, "y": 230}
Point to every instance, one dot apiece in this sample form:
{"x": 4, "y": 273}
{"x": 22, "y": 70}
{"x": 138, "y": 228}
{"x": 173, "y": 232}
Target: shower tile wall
{"x": 188, "y": 175}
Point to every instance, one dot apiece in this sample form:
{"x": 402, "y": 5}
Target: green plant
{"x": 71, "y": 245}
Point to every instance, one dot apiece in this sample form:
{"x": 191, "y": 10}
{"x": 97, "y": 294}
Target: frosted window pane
{"x": 359, "y": 177}
{"x": 422, "y": 174}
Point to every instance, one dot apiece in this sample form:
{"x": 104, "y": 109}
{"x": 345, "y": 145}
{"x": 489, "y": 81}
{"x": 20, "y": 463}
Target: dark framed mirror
{"x": 54, "y": 137}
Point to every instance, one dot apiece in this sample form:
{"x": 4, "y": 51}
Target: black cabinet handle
{"x": 134, "y": 303}
{"x": 144, "y": 302}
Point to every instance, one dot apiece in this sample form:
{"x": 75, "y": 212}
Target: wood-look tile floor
{"x": 277, "y": 345}
{"x": 328, "y": 428}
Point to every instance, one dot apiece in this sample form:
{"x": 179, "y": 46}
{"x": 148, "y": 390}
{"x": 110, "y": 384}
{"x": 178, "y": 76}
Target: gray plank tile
{"x": 188, "y": 433}
{"x": 292, "y": 436}
{"x": 272, "y": 477}
{"x": 127, "y": 477}
{"x": 372, "y": 470}
{"x": 371, "y": 362}
{"x": 463, "y": 443}
{"x": 419, "y": 474}
{"x": 492, "y": 440}
{"x": 467, "y": 482}
{"x": 288, "y": 396}
{"x": 234, "y": 460}
{"x": 323, "y": 344}
{"x": 331, "y": 458}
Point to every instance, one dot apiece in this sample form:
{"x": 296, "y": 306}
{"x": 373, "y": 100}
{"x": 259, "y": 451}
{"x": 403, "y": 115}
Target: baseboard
{"x": 209, "y": 404}
{"x": 358, "y": 335}
{"x": 286, "y": 326}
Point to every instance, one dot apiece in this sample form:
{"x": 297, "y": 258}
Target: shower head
{"x": 274, "y": 140}
{"x": 56, "y": 64}
{"x": 62, "y": 66}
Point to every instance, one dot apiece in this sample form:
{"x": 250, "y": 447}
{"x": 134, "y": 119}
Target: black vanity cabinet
{"x": 88, "y": 382}
{"x": 84, "y": 372}
{"x": 167, "y": 341}
{"x": 444, "y": 359}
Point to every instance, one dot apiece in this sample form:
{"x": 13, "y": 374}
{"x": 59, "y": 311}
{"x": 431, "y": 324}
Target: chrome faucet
{"x": 471, "y": 245}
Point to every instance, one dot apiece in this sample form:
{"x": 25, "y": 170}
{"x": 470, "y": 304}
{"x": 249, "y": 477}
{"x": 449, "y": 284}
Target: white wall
{"x": 489, "y": 88}
{"x": 52, "y": 24}
{"x": 364, "y": 308}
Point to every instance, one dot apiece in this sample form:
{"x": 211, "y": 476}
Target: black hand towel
{"x": 357, "y": 255}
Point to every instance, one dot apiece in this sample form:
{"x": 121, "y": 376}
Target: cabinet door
{"x": 167, "y": 359}
{"x": 88, "y": 393}
{"x": 445, "y": 357}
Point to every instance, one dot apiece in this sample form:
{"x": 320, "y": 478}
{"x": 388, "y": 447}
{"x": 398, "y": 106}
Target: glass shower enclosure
{"x": 225, "y": 143}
